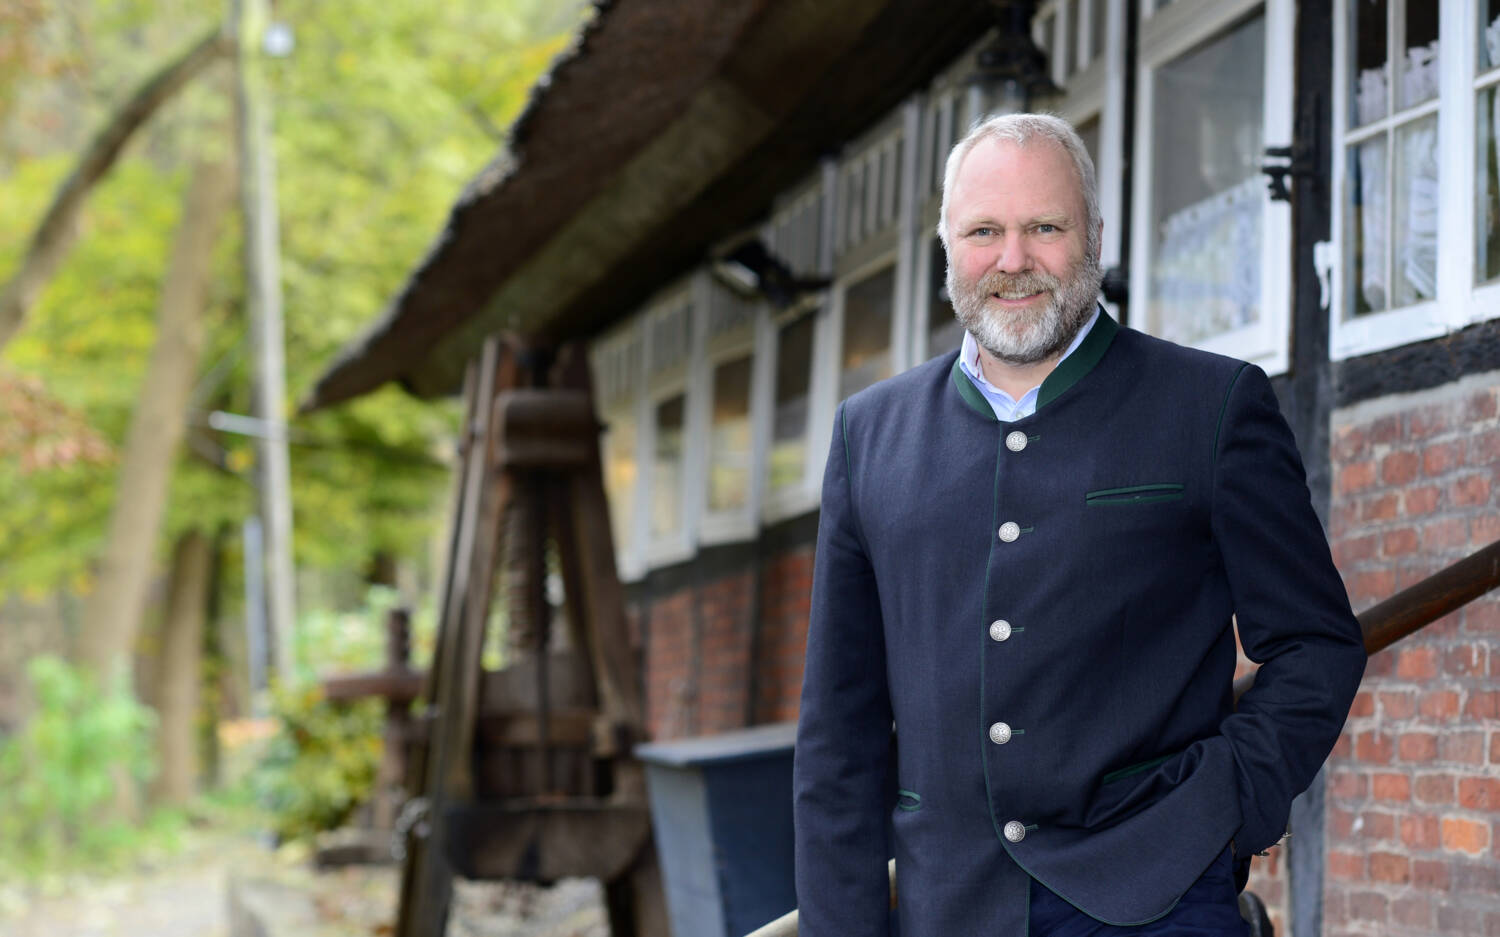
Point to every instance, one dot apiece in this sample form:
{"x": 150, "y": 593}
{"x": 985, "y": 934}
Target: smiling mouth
{"x": 1013, "y": 298}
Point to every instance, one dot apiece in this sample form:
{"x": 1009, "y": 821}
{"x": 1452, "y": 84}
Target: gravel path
{"x": 183, "y": 896}
{"x": 187, "y": 895}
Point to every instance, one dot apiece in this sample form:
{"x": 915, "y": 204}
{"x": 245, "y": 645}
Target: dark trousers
{"x": 1210, "y": 908}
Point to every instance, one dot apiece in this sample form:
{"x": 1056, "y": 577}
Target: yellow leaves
{"x": 239, "y": 461}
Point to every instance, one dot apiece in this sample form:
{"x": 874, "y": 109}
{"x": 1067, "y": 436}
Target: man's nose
{"x": 1013, "y": 256}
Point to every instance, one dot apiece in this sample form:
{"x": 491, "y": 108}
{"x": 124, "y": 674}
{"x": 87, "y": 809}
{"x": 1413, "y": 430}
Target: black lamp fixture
{"x": 1012, "y": 67}
{"x": 750, "y": 269}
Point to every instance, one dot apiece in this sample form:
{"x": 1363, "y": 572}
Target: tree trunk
{"x": 112, "y": 615}
{"x": 53, "y": 238}
{"x": 180, "y": 667}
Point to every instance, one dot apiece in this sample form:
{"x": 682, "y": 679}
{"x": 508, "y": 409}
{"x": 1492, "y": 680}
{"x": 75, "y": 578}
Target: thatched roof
{"x": 670, "y": 126}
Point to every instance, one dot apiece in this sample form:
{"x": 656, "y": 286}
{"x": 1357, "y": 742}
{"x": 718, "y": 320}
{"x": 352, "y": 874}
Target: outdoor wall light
{"x": 1011, "y": 70}
{"x": 751, "y": 270}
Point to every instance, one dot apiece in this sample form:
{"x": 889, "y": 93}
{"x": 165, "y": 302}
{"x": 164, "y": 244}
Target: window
{"x": 1207, "y": 188}
{"x": 727, "y": 376}
{"x": 865, "y": 355}
{"x": 667, "y": 465}
{"x": 1415, "y": 176}
{"x": 944, "y": 334}
{"x": 1487, "y": 125}
{"x": 729, "y": 445}
{"x": 793, "y": 381}
{"x": 617, "y": 368}
{"x": 1390, "y": 241}
{"x": 789, "y": 424}
{"x": 1093, "y": 99}
{"x": 1210, "y": 266}
{"x": 671, "y": 456}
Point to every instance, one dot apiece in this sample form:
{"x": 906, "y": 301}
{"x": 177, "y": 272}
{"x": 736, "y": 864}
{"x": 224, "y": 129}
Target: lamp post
{"x": 249, "y": 21}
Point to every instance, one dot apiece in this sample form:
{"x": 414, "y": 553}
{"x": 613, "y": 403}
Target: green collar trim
{"x": 970, "y": 394}
{"x": 1080, "y": 362}
{"x": 1072, "y": 369}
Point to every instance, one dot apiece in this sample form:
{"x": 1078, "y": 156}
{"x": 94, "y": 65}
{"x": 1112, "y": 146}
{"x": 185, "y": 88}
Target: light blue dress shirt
{"x": 1007, "y": 408}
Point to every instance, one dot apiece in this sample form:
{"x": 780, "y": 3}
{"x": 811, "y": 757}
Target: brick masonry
{"x": 708, "y": 667}
{"x": 1413, "y": 787}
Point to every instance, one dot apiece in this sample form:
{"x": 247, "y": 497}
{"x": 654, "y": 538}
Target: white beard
{"x": 1026, "y": 336}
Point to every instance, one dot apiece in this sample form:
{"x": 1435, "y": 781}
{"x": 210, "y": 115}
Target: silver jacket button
{"x": 999, "y": 630}
{"x": 999, "y": 733}
{"x": 1015, "y": 831}
{"x": 1009, "y": 531}
{"x": 1016, "y": 441}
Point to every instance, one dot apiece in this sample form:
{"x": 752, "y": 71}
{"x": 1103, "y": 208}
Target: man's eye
{"x": 1046, "y": 228}
{"x": 983, "y": 232}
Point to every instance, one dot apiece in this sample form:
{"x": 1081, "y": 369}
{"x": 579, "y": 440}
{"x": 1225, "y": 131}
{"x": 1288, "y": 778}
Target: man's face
{"x": 1019, "y": 272}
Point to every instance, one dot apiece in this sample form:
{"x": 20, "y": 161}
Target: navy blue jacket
{"x": 1044, "y": 611}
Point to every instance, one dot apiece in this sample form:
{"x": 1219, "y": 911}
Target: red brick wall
{"x": 671, "y": 694}
{"x": 724, "y": 671}
{"x": 1413, "y": 819}
{"x": 786, "y": 595}
{"x": 704, "y": 656}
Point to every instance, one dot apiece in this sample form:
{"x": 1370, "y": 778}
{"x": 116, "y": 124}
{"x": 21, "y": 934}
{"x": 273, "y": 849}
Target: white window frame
{"x": 805, "y": 495}
{"x": 1165, "y": 34}
{"x": 889, "y": 260}
{"x": 945, "y": 113}
{"x": 1097, "y": 92}
{"x": 735, "y": 524}
{"x": 630, "y": 559}
{"x": 1460, "y": 300}
{"x": 660, "y": 386}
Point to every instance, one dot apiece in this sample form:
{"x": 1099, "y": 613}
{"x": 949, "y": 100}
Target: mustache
{"x": 1017, "y": 285}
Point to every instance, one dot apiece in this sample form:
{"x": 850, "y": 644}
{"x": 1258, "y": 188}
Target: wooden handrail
{"x": 1418, "y": 606}
{"x": 1383, "y": 624}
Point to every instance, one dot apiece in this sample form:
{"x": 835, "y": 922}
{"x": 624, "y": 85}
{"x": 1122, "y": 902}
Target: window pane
{"x": 1416, "y": 211}
{"x": 1365, "y": 237}
{"x": 944, "y": 334}
{"x": 1046, "y": 30}
{"x": 867, "y": 332}
{"x": 620, "y": 475}
{"x": 794, "y": 345}
{"x": 1368, "y": 23}
{"x": 1489, "y": 34}
{"x": 1067, "y": 47}
{"x": 729, "y": 437}
{"x": 1088, "y": 131}
{"x": 1099, "y": 11}
{"x": 1207, "y": 192}
{"x": 1489, "y": 184}
{"x": 1419, "y": 65}
{"x": 666, "y": 469}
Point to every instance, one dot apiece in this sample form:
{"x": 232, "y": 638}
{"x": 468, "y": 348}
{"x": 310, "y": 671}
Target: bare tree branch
{"x": 54, "y": 237}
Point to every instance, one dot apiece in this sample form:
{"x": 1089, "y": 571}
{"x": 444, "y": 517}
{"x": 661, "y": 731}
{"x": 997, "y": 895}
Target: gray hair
{"x": 1021, "y": 129}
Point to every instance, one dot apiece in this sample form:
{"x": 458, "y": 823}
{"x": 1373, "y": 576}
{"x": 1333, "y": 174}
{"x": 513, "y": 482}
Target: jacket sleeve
{"x": 1290, "y": 607}
{"x": 843, "y": 733}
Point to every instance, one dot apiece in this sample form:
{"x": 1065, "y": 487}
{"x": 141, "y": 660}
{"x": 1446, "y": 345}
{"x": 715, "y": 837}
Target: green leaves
{"x": 321, "y": 764}
{"x": 58, "y": 774}
{"x": 381, "y": 114}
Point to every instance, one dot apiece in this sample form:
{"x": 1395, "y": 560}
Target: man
{"x": 1030, "y": 560}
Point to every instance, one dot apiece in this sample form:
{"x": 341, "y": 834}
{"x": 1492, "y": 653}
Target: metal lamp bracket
{"x": 1302, "y": 159}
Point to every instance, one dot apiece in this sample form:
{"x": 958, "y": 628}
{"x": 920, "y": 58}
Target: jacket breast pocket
{"x": 1134, "y": 495}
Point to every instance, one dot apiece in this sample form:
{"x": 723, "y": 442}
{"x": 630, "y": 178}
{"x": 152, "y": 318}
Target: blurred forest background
{"x": 121, "y": 720}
